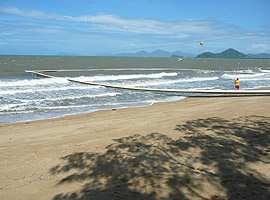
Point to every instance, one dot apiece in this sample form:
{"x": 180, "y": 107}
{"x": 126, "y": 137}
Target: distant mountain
{"x": 68, "y": 54}
{"x": 182, "y": 54}
{"x": 160, "y": 53}
{"x": 157, "y": 53}
{"x": 206, "y": 55}
{"x": 260, "y": 55}
{"x": 229, "y": 53}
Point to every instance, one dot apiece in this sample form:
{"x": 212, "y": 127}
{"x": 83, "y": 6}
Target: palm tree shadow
{"x": 213, "y": 155}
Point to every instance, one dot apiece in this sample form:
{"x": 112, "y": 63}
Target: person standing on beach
{"x": 237, "y": 83}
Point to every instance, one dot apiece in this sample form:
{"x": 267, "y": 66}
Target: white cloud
{"x": 259, "y": 48}
{"x": 2, "y": 43}
{"x": 112, "y": 32}
{"x": 114, "y": 23}
{"x": 36, "y": 14}
{"x": 267, "y": 26}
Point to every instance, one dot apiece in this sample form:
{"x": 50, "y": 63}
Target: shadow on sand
{"x": 210, "y": 159}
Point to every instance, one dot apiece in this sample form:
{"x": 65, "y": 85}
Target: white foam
{"x": 34, "y": 82}
{"x": 241, "y": 76}
{"x": 168, "y": 82}
{"x": 265, "y": 70}
{"x": 255, "y": 79}
{"x": 7, "y": 106}
{"x": 18, "y": 112}
{"x": 247, "y": 71}
{"x": 123, "y": 77}
{"x": 37, "y": 89}
{"x": 70, "y": 97}
{"x": 168, "y": 99}
{"x": 111, "y": 104}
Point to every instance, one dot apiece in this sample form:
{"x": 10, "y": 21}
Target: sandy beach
{"x": 196, "y": 148}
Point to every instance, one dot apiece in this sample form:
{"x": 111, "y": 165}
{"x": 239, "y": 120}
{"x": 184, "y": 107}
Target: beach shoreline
{"x": 92, "y": 111}
{"x": 26, "y": 97}
{"x": 122, "y": 153}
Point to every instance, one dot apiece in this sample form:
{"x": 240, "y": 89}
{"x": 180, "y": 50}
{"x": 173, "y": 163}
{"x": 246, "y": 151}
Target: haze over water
{"x": 25, "y": 97}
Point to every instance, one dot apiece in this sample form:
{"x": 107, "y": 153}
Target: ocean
{"x": 24, "y": 97}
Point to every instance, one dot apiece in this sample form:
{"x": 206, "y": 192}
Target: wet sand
{"x": 196, "y": 148}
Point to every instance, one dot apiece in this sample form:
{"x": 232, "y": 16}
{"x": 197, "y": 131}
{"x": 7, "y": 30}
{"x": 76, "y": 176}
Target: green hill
{"x": 229, "y": 53}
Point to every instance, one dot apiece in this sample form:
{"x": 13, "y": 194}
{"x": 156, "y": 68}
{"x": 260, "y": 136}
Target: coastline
{"x": 27, "y": 98}
{"x": 60, "y": 157}
{"x": 91, "y": 111}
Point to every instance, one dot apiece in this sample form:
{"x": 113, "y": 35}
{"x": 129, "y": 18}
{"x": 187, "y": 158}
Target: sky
{"x": 94, "y": 27}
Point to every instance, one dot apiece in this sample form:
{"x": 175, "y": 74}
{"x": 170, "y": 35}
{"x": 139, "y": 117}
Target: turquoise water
{"x": 25, "y": 97}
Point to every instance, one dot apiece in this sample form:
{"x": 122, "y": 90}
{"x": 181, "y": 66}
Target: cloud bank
{"x": 114, "y": 23}
{"x": 109, "y": 30}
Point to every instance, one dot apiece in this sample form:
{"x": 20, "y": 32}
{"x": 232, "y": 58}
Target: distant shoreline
{"x": 136, "y": 57}
{"x": 227, "y": 54}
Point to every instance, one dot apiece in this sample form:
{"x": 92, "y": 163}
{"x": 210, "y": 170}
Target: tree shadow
{"x": 211, "y": 158}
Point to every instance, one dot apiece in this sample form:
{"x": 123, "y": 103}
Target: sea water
{"x": 24, "y": 97}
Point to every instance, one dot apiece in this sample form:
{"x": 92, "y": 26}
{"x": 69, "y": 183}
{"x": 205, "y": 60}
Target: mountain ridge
{"x": 156, "y": 53}
{"x": 259, "y": 55}
{"x": 228, "y": 53}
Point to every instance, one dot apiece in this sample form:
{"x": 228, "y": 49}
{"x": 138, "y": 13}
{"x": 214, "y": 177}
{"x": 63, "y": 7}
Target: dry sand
{"x": 197, "y": 148}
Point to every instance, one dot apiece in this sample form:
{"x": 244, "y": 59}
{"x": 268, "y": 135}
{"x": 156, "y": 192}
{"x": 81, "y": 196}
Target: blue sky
{"x": 90, "y": 27}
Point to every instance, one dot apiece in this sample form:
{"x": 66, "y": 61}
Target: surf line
{"x": 265, "y": 92}
{"x": 117, "y": 69}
